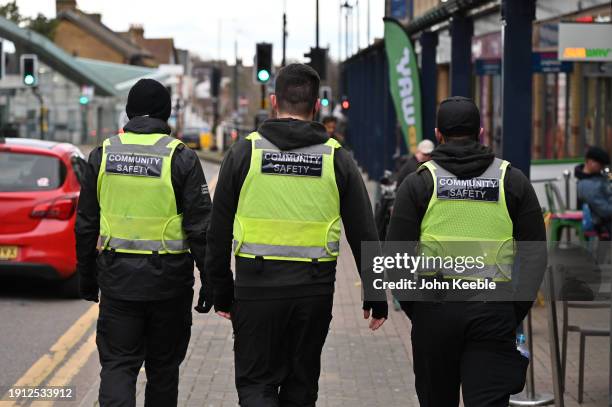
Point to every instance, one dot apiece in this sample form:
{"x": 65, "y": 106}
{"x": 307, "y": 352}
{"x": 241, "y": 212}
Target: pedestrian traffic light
{"x": 318, "y": 61}
{"x": 29, "y": 69}
{"x": 345, "y": 104}
{"x": 263, "y": 62}
{"x": 325, "y": 96}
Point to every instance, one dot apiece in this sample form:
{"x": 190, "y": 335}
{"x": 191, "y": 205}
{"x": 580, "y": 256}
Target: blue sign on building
{"x": 548, "y": 62}
{"x": 487, "y": 67}
{"x": 541, "y": 62}
{"x": 399, "y": 9}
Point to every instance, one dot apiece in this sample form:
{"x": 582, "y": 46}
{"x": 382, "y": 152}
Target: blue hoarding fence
{"x": 372, "y": 132}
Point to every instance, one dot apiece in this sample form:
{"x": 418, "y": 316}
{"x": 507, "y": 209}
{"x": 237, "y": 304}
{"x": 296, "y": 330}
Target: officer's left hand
{"x": 204, "y": 303}
{"x": 375, "y": 323}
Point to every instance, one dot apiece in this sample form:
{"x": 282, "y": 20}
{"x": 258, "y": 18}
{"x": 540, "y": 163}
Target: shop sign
{"x": 585, "y": 42}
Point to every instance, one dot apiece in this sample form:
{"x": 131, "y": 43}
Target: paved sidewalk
{"x": 365, "y": 369}
{"x": 359, "y": 367}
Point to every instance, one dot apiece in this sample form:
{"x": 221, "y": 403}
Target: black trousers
{"x": 277, "y": 347}
{"x": 469, "y": 345}
{"x": 131, "y": 333}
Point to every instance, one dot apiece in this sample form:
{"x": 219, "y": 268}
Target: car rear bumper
{"x": 50, "y": 246}
{"x": 27, "y": 270}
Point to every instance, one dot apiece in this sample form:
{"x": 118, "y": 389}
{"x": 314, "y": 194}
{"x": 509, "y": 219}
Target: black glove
{"x": 88, "y": 289}
{"x": 205, "y": 302}
{"x": 380, "y": 309}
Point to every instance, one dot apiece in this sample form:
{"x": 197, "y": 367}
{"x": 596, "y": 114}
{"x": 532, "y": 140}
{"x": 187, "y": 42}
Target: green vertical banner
{"x": 404, "y": 82}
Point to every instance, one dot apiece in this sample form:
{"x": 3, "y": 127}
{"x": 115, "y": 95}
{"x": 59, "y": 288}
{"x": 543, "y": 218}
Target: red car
{"x": 39, "y": 191}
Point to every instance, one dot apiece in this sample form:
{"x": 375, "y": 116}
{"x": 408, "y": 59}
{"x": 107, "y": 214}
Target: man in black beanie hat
{"x": 144, "y": 194}
{"x": 595, "y": 189}
{"x": 466, "y": 194}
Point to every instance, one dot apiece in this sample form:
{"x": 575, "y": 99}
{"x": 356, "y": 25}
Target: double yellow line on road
{"x": 38, "y": 373}
{"x": 47, "y": 363}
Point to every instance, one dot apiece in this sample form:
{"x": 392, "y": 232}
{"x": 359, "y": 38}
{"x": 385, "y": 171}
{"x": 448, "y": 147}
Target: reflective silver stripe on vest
{"x": 144, "y": 245}
{"x": 302, "y": 252}
{"x": 159, "y": 148}
{"x": 493, "y": 171}
{"x": 265, "y": 144}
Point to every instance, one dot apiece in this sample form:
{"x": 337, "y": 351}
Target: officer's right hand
{"x": 380, "y": 310}
{"x": 204, "y": 303}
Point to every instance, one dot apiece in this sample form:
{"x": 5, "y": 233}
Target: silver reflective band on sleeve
{"x": 144, "y": 245}
{"x": 301, "y": 252}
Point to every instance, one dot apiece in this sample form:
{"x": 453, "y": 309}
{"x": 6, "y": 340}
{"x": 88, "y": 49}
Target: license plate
{"x": 8, "y": 252}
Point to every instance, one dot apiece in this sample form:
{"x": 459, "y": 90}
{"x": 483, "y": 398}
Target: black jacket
{"x": 282, "y": 279}
{"x": 142, "y": 277}
{"x": 467, "y": 159}
{"x": 410, "y": 166}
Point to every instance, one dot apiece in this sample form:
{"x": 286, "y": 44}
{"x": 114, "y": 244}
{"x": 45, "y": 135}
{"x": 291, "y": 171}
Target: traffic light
{"x": 263, "y": 62}
{"x": 29, "y": 69}
{"x": 215, "y": 81}
{"x": 87, "y": 93}
{"x": 325, "y": 96}
{"x": 345, "y": 104}
{"x": 318, "y": 61}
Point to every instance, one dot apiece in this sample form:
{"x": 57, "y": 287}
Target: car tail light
{"x": 60, "y": 208}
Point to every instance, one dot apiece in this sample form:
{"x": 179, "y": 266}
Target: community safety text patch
{"x": 476, "y": 189}
{"x": 134, "y": 164}
{"x": 291, "y": 163}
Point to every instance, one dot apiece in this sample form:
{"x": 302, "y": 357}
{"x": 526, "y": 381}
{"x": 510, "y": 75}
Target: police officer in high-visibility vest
{"x": 463, "y": 198}
{"x": 280, "y": 197}
{"x": 141, "y": 222}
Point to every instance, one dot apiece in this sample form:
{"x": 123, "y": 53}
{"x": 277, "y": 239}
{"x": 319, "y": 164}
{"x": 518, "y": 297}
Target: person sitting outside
{"x": 594, "y": 188}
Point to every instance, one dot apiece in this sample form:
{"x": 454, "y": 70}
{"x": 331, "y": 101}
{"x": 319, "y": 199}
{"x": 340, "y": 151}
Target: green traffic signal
{"x": 263, "y": 75}
{"x": 28, "y": 80}
{"x": 324, "y": 102}
{"x": 83, "y": 100}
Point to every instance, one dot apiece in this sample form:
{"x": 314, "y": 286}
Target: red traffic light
{"x": 345, "y": 104}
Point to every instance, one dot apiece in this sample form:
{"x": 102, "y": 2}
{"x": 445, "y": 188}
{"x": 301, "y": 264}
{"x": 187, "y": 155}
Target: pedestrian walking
{"x": 142, "y": 217}
{"x": 279, "y": 201}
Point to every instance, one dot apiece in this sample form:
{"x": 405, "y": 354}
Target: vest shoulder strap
{"x": 253, "y": 136}
{"x": 332, "y": 142}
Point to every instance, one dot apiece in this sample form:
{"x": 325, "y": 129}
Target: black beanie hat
{"x": 599, "y": 155}
{"x": 149, "y": 98}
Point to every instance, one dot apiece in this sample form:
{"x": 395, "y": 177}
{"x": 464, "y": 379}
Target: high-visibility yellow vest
{"x": 138, "y": 211}
{"x": 289, "y": 205}
{"x": 469, "y": 218}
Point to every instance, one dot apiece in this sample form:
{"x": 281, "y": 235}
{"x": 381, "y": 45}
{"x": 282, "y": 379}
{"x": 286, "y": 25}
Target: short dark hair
{"x": 297, "y": 89}
{"x": 329, "y": 119}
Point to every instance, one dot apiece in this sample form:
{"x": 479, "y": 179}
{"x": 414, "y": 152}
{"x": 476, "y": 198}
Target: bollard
{"x": 529, "y": 397}
{"x": 566, "y": 176}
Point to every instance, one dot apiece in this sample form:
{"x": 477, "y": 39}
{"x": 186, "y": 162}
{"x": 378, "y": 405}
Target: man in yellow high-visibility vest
{"x": 462, "y": 200}
{"x": 280, "y": 197}
{"x": 145, "y": 198}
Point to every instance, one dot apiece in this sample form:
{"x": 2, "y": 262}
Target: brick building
{"x": 84, "y": 35}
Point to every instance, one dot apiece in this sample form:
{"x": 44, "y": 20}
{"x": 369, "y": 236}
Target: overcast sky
{"x": 194, "y": 24}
